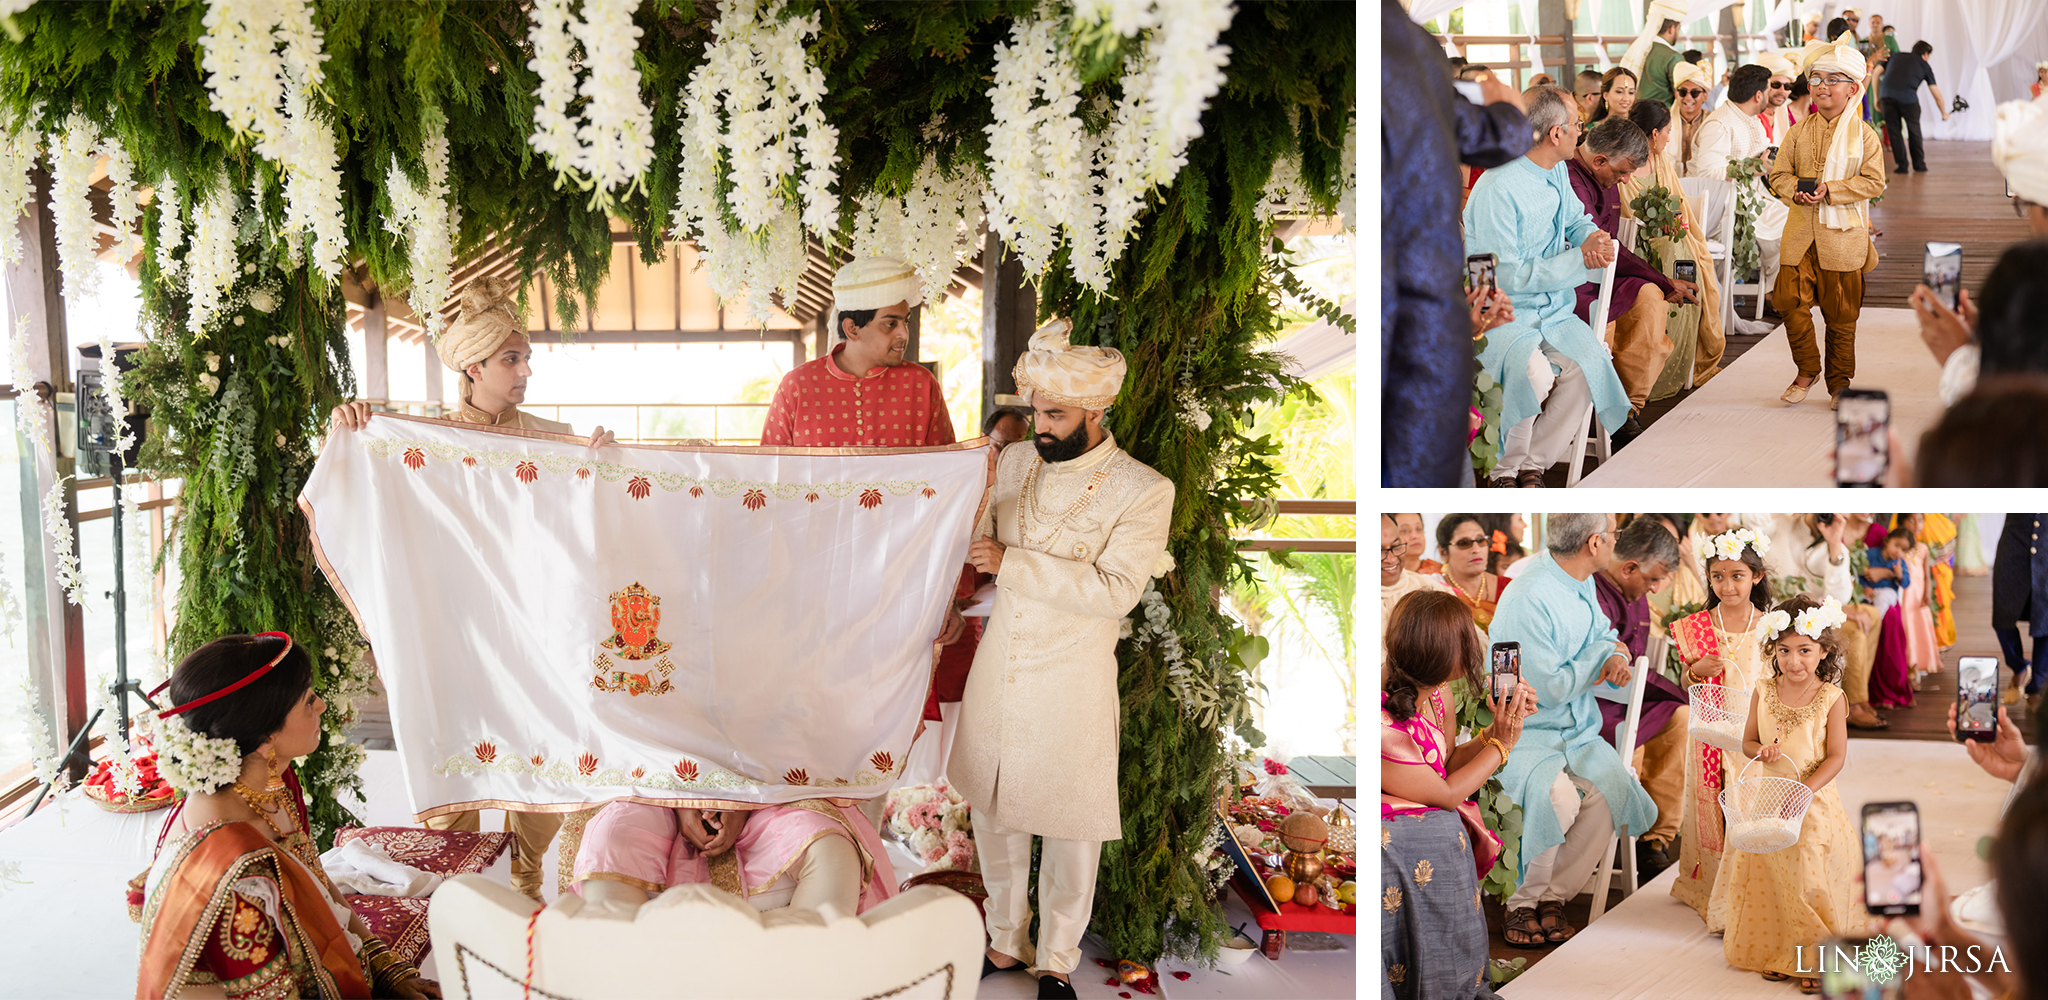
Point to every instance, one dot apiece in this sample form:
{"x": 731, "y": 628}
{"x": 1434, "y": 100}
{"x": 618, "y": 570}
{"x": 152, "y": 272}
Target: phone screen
{"x": 1862, "y": 454}
{"x": 1942, "y": 272}
{"x": 1891, "y": 858}
{"x": 1977, "y": 698}
{"x": 1480, "y": 271}
{"x": 1507, "y": 668}
{"x": 1686, "y": 270}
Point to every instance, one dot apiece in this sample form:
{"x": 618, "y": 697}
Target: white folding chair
{"x": 1595, "y": 437}
{"x": 1605, "y": 878}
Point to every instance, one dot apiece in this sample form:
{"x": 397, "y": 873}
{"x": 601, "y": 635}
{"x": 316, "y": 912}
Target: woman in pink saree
{"x": 805, "y": 855}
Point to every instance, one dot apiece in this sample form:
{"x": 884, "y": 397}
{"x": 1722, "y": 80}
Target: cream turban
{"x": 1654, "y": 18}
{"x": 874, "y": 282}
{"x": 490, "y": 313}
{"x": 1087, "y": 377}
{"x": 1839, "y": 57}
{"x": 1777, "y": 62}
{"x": 2019, "y": 146}
{"x": 1683, "y": 71}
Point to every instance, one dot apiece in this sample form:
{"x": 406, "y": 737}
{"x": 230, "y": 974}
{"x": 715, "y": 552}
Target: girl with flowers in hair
{"x": 1721, "y": 645}
{"x": 237, "y": 904}
{"x": 1778, "y": 905}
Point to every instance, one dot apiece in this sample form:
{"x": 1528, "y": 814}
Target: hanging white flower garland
{"x": 263, "y": 64}
{"x": 427, "y": 219}
{"x": 931, "y": 227}
{"x": 73, "y": 153}
{"x": 1049, "y": 177}
{"x": 212, "y": 264}
{"x": 170, "y": 228}
{"x": 756, "y": 105}
{"x": 609, "y": 149}
{"x": 19, "y": 153}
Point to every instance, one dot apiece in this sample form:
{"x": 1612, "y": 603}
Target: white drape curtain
{"x": 1984, "y": 52}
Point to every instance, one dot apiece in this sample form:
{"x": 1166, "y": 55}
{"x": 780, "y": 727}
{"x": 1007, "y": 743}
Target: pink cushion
{"x": 401, "y": 922}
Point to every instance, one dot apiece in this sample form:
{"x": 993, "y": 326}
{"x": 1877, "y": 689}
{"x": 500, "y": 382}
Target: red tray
{"x": 1293, "y": 917}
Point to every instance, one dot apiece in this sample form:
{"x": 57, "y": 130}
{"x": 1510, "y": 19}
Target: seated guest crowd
{"x": 1583, "y": 613}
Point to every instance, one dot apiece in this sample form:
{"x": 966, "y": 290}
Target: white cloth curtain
{"x": 493, "y": 573}
{"x": 1984, "y": 52}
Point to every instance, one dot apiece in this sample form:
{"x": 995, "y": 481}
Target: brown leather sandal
{"x": 1562, "y": 931}
{"x": 1525, "y": 923}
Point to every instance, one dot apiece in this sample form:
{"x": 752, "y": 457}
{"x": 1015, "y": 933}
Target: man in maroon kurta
{"x": 1614, "y": 149}
{"x": 1645, "y": 553}
{"x": 866, "y": 393}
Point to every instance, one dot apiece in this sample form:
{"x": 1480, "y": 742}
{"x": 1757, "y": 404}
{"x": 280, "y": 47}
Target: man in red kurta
{"x": 866, "y": 393}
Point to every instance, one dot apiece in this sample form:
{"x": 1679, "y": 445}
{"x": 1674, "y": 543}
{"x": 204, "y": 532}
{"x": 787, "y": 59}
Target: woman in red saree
{"x": 1721, "y": 645}
{"x": 236, "y": 904}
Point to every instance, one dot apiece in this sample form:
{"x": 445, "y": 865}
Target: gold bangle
{"x": 1497, "y": 745}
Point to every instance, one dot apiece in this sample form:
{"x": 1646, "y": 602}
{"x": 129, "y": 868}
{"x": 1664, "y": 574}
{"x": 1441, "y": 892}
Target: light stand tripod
{"x": 99, "y": 450}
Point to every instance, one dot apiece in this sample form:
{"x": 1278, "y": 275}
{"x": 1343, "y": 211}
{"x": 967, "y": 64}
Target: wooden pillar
{"x": 1731, "y": 31}
{"x": 821, "y": 333}
{"x": 433, "y": 390}
{"x": 916, "y": 321}
{"x": 1009, "y": 314}
{"x": 56, "y": 628}
{"x": 376, "y": 349}
{"x": 1553, "y": 19}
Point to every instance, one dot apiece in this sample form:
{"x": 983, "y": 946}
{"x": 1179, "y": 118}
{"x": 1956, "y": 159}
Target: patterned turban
{"x": 1777, "y": 62}
{"x": 2019, "y": 145}
{"x": 1087, "y": 377}
{"x": 874, "y": 282}
{"x": 1684, "y": 71}
{"x": 490, "y": 314}
{"x": 1838, "y": 57}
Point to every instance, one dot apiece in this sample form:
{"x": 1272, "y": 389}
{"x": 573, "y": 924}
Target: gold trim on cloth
{"x": 890, "y": 280}
{"x": 827, "y": 809}
{"x": 651, "y": 888}
{"x": 967, "y": 445}
{"x": 725, "y": 873}
{"x": 569, "y": 841}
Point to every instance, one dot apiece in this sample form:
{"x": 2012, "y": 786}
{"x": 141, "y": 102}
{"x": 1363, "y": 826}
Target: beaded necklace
{"x": 1027, "y": 500}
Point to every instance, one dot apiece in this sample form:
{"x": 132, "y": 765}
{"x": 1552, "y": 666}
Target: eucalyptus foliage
{"x": 238, "y": 406}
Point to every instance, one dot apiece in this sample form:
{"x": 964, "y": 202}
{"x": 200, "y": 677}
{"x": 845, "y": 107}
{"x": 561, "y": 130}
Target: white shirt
{"x": 1728, "y": 134}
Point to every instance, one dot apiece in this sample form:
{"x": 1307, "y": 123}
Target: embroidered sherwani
{"x": 1818, "y": 265}
{"x": 512, "y": 417}
{"x": 820, "y": 405}
{"x": 1037, "y": 747}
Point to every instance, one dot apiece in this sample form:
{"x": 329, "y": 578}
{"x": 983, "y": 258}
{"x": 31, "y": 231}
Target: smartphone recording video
{"x": 1891, "y": 858}
{"x": 1942, "y": 272}
{"x": 1862, "y": 452}
{"x": 1507, "y": 669}
{"x": 1977, "y": 699}
{"x": 1481, "y": 272}
{"x": 1686, "y": 270}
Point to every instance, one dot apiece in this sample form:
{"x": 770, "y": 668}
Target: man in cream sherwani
{"x": 1073, "y": 530}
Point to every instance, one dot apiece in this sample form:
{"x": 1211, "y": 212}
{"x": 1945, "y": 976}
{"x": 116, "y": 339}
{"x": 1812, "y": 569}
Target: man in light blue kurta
{"x": 1526, "y": 215}
{"x": 1574, "y": 789}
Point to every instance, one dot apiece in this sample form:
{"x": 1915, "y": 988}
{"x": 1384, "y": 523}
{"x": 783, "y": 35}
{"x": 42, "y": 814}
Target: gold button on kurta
{"x": 1038, "y": 750}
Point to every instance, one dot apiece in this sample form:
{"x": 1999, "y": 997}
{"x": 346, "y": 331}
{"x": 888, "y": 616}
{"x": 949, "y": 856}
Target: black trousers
{"x": 1908, "y": 116}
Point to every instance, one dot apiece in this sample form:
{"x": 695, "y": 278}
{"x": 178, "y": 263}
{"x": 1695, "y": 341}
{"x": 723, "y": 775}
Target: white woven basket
{"x": 1764, "y": 814}
{"x": 1719, "y": 713}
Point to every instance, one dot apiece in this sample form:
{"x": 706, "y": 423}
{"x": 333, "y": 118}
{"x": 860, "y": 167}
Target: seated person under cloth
{"x": 802, "y": 855}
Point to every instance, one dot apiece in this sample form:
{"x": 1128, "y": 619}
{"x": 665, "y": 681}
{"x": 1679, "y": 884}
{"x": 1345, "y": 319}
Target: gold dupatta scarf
{"x": 180, "y": 915}
{"x": 1712, "y": 341}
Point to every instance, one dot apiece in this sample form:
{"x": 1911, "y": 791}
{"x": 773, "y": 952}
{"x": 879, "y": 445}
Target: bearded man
{"x": 1073, "y": 531}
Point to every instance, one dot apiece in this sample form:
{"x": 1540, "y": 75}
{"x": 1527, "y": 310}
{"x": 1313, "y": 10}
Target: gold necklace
{"x": 1461, "y": 590}
{"x": 1027, "y": 499}
{"x": 267, "y": 800}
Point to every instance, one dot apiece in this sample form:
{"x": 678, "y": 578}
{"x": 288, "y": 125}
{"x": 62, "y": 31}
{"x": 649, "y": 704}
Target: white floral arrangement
{"x": 20, "y": 150}
{"x": 1050, "y": 176}
{"x": 427, "y": 219}
{"x": 935, "y": 822}
{"x": 212, "y": 264}
{"x": 262, "y": 60}
{"x": 73, "y": 154}
{"x": 10, "y": 876}
{"x": 192, "y": 762}
{"x": 610, "y": 147}
{"x": 1729, "y": 544}
{"x": 931, "y": 228}
{"x": 756, "y": 105}
{"x": 170, "y": 228}
{"x": 1812, "y": 622}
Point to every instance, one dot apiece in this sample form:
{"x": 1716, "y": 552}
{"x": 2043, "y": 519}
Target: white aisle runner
{"x": 1653, "y": 947}
{"x": 1735, "y": 431}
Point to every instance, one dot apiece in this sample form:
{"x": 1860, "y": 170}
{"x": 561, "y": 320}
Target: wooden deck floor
{"x": 1960, "y": 199}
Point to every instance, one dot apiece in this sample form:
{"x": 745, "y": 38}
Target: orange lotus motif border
{"x": 641, "y": 483}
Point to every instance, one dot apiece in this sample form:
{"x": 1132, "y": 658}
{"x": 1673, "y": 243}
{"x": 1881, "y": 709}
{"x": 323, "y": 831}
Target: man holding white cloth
{"x": 1827, "y": 247}
{"x": 1072, "y": 531}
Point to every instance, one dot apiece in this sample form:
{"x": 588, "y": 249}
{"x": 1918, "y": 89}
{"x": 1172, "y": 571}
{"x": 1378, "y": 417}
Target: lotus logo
{"x": 1882, "y": 960}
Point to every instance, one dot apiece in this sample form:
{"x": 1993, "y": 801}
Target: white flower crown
{"x": 1812, "y": 622}
{"x": 194, "y": 762}
{"x": 1729, "y": 544}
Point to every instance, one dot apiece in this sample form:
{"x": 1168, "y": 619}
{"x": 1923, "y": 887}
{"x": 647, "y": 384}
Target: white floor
{"x": 1653, "y": 947}
{"x": 1735, "y": 431}
{"x": 66, "y": 933}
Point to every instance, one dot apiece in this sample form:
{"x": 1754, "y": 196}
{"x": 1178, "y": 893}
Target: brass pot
{"x": 1303, "y": 867}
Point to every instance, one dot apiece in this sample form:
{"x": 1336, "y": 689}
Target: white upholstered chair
{"x": 696, "y": 941}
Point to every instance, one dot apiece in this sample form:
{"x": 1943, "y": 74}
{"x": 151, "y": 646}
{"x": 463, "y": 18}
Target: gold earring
{"x": 276, "y": 774}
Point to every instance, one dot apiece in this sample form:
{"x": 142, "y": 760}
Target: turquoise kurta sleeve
{"x": 1495, "y": 223}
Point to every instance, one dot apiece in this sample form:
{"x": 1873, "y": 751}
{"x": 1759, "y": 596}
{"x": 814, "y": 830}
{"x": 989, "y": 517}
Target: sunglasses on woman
{"x": 1467, "y": 544}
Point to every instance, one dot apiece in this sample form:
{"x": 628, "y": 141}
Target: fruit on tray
{"x": 1281, "y": 887}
